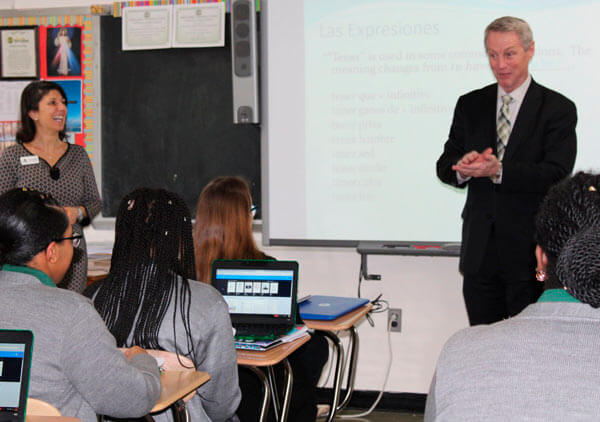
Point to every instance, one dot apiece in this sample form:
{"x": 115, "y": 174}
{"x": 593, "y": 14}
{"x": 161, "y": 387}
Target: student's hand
{"x": 132, "y": 351}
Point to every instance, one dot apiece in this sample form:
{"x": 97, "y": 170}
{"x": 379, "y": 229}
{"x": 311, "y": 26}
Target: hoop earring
{"x": 541, "y": 276}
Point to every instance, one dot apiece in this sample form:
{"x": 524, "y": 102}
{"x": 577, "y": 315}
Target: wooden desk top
{"x": 98, "y": 267}
{"x": 51, "y": 419}
{"x": 272, "y": 356}
{"x": 340, "y": 323}
{"x": 177, "y": 384}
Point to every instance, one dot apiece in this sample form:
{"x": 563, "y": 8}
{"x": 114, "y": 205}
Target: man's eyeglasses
{"x": 76, "y": 238}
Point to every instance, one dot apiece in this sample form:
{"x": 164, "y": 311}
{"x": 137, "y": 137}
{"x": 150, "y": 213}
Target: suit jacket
{"x": 540, "y": 152}
{"x": 538, "y": 366}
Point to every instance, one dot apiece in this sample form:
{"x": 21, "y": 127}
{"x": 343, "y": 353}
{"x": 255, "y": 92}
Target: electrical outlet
{"x": 395, "y": 319}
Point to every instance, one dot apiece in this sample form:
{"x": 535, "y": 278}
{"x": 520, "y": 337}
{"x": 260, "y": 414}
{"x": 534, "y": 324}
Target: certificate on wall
{"x": 199, "y": 25}
{"x": 146, "y": 27}
{"x": 18, "y": 52}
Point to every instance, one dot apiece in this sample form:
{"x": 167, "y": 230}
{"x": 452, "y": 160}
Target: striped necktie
{"x": 503, "y": 126}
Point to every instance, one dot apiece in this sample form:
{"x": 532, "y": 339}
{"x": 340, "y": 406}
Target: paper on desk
{"x": 296, "y": 332}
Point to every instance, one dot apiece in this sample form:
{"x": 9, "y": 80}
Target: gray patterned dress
{"x": 76, "y": 186}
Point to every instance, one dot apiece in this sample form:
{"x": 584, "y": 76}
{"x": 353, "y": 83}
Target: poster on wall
{"x": 61, "y": 52}
{"x": 74, "y": 107}
{"x": 10, "y": 96}
{"x": 18, "y": 52}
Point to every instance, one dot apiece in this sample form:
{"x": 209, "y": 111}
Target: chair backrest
{"x": 37, "y": 407}
{"x": 171, "y": 362}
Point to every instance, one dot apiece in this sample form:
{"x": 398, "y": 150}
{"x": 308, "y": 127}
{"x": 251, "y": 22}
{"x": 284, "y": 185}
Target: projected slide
{"x": 360, "y": 97}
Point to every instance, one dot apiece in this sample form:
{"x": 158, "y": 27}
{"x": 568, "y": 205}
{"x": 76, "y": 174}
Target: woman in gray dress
{"x": 44, "y": 161}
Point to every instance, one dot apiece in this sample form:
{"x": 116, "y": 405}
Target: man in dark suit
{"x": 509, "y": 142}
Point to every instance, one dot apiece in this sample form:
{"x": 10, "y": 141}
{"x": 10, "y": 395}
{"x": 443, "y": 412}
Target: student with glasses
{"x": 76, "y": 365}
{"x": 42, "y": 159}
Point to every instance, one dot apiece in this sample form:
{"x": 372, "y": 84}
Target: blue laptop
{"x": 328, "y": 308}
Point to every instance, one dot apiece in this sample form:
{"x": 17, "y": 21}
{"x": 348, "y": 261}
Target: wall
{"x": 428, "y": 290}
{"x": 42, "y": 4}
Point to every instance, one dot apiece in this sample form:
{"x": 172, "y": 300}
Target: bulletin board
{"x": 65, "y": 52}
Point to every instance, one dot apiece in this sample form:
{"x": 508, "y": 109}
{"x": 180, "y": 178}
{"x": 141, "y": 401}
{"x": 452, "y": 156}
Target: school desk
{"x": 176, "y": 385}
{"x": 98, "y": 267}
{"x": 255, "y": 359}
{"x": 328, "y": 329}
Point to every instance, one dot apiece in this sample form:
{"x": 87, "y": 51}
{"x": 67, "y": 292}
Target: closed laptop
{"x": 329, "y": 307}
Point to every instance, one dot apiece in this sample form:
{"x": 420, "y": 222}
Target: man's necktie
{"x": 503, "y": 126}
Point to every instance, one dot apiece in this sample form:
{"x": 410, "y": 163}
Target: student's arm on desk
{"x": 217, "y": 356}
{"x": 110, "y": 383}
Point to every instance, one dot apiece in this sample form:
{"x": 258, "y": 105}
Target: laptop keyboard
{"x": 261, "y": 330}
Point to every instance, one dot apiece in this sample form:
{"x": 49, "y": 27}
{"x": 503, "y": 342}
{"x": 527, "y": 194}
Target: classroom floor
{"x": 381, "y": 416}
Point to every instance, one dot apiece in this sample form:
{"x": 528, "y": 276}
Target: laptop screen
{"x": 261, "y": 289}
{"x": 11, "y": 373}
{"x": 15, "y": 359}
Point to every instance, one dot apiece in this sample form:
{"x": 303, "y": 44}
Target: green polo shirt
{"x": 40, "y": 275}
{"x": 557, "y": 295}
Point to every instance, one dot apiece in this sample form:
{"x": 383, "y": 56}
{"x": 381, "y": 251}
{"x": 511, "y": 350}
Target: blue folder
{"x": 328, "y": 308}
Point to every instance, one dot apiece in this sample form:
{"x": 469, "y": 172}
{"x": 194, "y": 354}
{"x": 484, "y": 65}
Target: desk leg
{"x": 339, "y": 372}
{"x": 266, "y": 393}
{"x": 273, "y": 386}
{"x": 351, "y": 367}
{"x": 287, "y": 390}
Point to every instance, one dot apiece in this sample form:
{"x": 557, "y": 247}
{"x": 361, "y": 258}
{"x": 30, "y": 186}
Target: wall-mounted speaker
{"x": 244, "y": 61}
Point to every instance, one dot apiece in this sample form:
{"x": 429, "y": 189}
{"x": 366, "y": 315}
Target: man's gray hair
{"x": 511, "y": 24}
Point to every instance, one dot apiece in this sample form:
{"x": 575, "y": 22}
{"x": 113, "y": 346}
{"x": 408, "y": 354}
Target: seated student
{"x": 541, "y": 364}
{"x": 150, "y": 299}
{"x": 76, "y": 365}
{"x": 223, "y": 230}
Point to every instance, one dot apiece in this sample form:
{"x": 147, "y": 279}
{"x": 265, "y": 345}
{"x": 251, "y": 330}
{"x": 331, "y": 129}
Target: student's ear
{"x": 52, "y": 253}
{"x": 541, "y": 258}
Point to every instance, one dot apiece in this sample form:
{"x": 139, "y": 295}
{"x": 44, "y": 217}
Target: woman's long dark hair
{"x": 152, "y": 260}
{"x": 30, "y": 100}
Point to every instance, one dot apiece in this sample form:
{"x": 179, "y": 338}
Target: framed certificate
{"x": 146, "y": 27}
{"x": 19, "y": 52}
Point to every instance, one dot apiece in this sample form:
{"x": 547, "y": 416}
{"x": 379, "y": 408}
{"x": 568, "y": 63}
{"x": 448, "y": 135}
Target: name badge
{"x": 30, "y": 159}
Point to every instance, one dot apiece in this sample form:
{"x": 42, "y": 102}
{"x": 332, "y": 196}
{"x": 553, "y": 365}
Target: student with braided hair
{"x": 579, "y": 266}
{"x": 542, "y": 363}
{"x": 150, "y": 298}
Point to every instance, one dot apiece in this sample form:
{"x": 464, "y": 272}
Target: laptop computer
{"x": 329, "y": 307}
{"x": 15, "y": 364}
{"x": 261, "y": 295}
